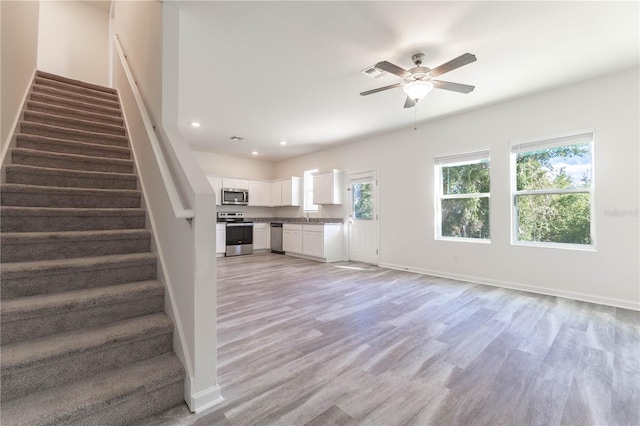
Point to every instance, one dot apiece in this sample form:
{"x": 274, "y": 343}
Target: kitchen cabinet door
{"x": 259, "y": 193}
{"x": 291, "y": 192}
{"x": 313, "y": 241}
{"x": 221, "y": 238}
{"x": 261, "y": 237}
{"x": 276, "y": 194}
{"x": 327, "y": 187}
{"x": 292, "y": 238}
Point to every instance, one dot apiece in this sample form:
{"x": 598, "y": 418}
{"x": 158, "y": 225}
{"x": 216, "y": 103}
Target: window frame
{"x": 473, "y": 157}
{"x": 307, "y": 193}
{"x": 553, "y": 141}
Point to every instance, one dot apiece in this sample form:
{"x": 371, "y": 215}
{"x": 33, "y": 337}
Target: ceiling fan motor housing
{"x": 418, "y": 74}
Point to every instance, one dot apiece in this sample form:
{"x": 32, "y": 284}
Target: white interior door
{"x": 363, "y": 217}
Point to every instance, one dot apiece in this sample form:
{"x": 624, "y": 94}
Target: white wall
{"x": 405, "y": 159}
{"x": 19, "y": 50}
{"x": 74, "y": 41}
{"x": 226, "y": 166}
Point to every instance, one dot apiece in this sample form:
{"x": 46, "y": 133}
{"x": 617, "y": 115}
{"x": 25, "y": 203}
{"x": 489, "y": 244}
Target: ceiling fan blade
{"x": 393, "y": 69}
{"x": 409, "y": 103}
{"x": 461, "y": 60}
{"x": 380, "y": 89}
{"x": 455, "y": 87}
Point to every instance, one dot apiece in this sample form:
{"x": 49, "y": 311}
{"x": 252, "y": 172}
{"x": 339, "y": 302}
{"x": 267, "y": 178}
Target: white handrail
{"x": 179, "y": 211}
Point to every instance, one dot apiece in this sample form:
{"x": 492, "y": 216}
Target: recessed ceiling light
{"x": 283, "y": 143}
{"x": 195, "y": 124}
{"x": 255, "y": 152}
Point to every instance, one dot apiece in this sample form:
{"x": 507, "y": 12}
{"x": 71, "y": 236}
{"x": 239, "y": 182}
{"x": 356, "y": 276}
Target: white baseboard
{"x": 203, "y": 400}
{"x": 522, "y": 287}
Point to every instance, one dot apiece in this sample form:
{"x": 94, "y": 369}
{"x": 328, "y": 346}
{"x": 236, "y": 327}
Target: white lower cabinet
{"x": 292, "y": 238}
{"x": 313, "y": 240}
{"x": 317, "y": 242}
{"x": 221, "y": 238}
{"x": 261, "y": 236}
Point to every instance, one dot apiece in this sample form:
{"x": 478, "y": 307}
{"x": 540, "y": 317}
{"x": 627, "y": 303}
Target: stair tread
{"x": 47, "y": 304}
{"x": 78, "y": 157}
{"x": 76, "y": 400}
{"x": 50, "y": 211}
{"x": 56, "y": 346}
{"x": 62, "y": 236}
{"x": 69, "y": 172}
{"x": 71, "y": 81}
{"x": 53, "y": 100}
{"x": 113, "y": 103}
{"x": 33, "y": 105}
{"x": 14, "y": 269}
{"x": 43, "y": 81}
{"x": 50, "y": 190}
{"x": 70, "y": 142}
{"x": 74, "y": 120}
{"x": 85, "y": 133}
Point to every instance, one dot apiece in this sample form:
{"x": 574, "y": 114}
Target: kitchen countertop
{"x": 312, "y": 220}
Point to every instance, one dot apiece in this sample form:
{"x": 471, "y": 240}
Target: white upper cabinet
{"x": 235, "y": 183}
{"x": 276, "y": 194}
{"x": 216, "y": 184}
{"x": 291, "y": 191}
{"x": 327, "y": 187}
{"x": 286, "y": 192}
{"x": 259, "y": 193}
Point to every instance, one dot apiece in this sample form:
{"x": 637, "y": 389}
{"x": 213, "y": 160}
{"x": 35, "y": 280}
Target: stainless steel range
{"x": 239, "y": 234}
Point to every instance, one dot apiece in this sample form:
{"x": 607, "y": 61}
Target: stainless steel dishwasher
{"x": 276, "y": 238}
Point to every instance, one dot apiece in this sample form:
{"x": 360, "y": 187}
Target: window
{"x": 463, "y": 196}
{"x": 553, "y": 190}
{"x": 308, "y": 192}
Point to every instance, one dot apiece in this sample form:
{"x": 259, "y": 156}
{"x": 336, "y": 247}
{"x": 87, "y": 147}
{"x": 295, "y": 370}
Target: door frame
{"x": 376, "y": 195}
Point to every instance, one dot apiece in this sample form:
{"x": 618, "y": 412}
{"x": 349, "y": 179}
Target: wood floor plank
{"x": 308, "y": 343}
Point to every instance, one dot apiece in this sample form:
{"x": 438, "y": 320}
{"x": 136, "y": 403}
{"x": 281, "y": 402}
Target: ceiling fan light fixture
{"x": 418, "y": 89}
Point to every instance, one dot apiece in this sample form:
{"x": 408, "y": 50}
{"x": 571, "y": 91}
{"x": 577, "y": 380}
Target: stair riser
{"x": 38, "y": 199}
{"x": 136, "y": 407}
{"x": 71, "y": 124}
{"x": 73, "y": 135}
{"x": 77, "y": 89}
{"x": 29, "y": 178}
{"x": 65, "y": 250}
{"x": 74, "y": 113}
{"x": 29, "y": 223}
{"x": 70, "y": 163}
{"x": 75, "y": 96}
{"x": 70, "y": 103}
{"x": 71, "y": 148}
{"x": 18, "y": 331}
{"x": 32, "y": 285}
{"x": 41, "y": 376}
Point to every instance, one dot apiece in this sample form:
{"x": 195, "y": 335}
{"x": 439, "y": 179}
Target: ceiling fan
{"x": 418, "y": 81}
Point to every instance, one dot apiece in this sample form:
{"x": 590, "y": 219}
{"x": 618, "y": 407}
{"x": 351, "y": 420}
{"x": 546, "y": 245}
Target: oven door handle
{"x": 239, "y": 224}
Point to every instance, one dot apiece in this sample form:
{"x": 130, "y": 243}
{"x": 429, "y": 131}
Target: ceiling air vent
{"x": 373, "y": 72}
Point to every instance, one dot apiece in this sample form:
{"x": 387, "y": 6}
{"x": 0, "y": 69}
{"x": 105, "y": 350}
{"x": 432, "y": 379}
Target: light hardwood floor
{"x": 306, "y": 343}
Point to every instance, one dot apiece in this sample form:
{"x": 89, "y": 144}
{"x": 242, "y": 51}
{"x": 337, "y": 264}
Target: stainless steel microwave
{"x": 235, "y": 196}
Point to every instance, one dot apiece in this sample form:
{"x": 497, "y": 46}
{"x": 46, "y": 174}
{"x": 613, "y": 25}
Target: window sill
{"x": 465, "y": 240}
{"x": 561, "y": 246}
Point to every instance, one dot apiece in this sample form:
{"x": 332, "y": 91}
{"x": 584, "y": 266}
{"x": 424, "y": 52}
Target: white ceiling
{"x": 272, "y": 71}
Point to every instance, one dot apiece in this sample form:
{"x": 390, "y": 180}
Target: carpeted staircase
{"x": 84, "y": 336}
